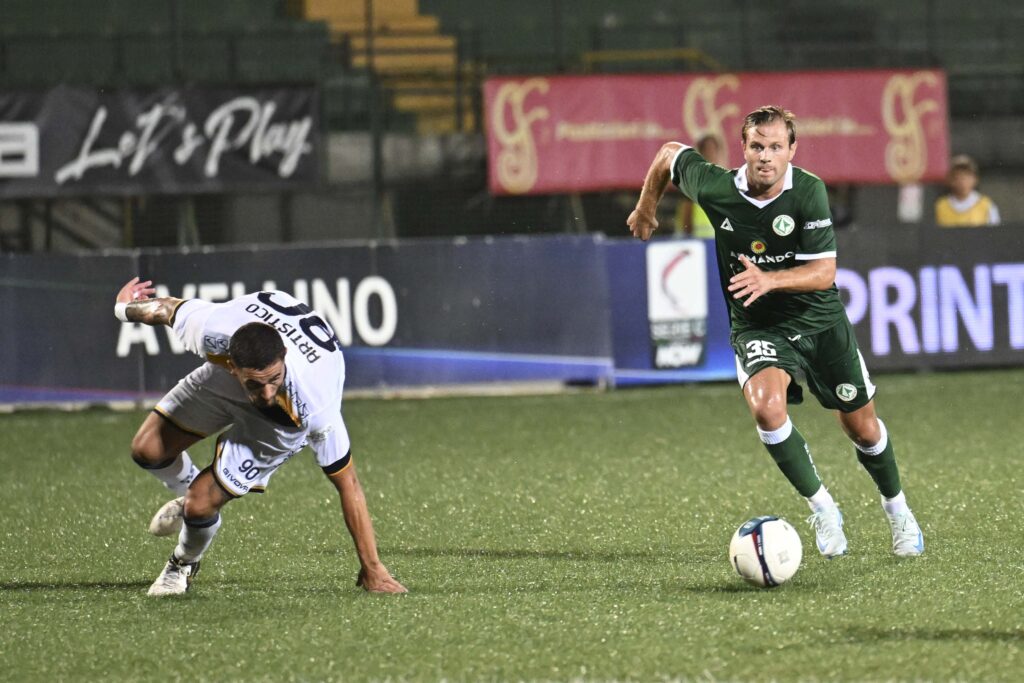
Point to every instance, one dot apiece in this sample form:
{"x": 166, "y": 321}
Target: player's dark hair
{"x": 255, "y": 346}
{"x": 770, "y": 114}
{"x": 701, "y": 145}
{"x": 962, "y": 162}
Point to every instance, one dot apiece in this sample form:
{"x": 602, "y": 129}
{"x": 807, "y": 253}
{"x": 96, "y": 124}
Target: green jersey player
{"x": 777, "y": 264}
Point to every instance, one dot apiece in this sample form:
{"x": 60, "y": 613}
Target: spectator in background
{"x": 690, "y": 218}
{"x": 964, "y": 206}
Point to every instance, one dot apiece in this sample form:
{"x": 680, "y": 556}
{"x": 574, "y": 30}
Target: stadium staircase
{"x": 417, "y": 66}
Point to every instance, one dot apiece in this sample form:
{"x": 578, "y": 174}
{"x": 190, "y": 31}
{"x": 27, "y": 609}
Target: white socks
{"x": 178, "y": 475}
{"x": 896, "y": 504}
{"x": 877, "y": 449}
{"x": 778, "y": 435}
{"x": 821, "y": 500}
{"x": 195, "y": 537}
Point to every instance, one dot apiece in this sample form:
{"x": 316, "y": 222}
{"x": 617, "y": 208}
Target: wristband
{"x": 120, "y": 311}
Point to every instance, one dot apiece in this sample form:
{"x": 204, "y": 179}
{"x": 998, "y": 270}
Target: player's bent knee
{"x": 199, "y": 506}
{"x": 147, "y": 451}
{"x": 770, "y": 414}
{"x": 204, "y": 498}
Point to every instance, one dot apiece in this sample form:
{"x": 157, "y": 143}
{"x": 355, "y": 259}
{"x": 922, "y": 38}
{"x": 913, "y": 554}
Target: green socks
{"x": 880, "y": 462}
{"x": 791, "y": 454}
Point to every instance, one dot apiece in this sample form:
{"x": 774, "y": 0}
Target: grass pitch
{"x": 575, "y": 537}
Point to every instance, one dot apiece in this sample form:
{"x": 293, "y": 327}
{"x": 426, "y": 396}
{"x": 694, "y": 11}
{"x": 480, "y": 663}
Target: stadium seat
{"x": 228, "y": 14}
{"x": 147, "y": 58}
{"x": 290, "y": 53}
{"x": 60, "y": 59}
{"x": 207, "y": 58}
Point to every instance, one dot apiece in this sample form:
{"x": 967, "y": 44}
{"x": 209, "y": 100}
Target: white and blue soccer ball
{"x": 766, "y": 551}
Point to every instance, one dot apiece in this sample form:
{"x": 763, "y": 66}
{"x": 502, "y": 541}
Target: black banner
{"x": 74, "y": 141}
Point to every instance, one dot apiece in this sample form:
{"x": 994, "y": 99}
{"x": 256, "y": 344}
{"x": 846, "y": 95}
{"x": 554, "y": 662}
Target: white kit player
{"x": 271, "y": 385}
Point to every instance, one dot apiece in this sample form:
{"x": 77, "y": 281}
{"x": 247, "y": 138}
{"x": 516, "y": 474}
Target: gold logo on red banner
{"x": 703, "y": 116}
{"x": 516, "y": 164}
{"x": 906, "y": 155}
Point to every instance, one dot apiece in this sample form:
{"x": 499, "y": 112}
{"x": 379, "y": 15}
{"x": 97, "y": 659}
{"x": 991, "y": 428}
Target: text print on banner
{"x": 677, "y": 302}
{"x": 592, "y": 133}
{"x": 243, "y": 123}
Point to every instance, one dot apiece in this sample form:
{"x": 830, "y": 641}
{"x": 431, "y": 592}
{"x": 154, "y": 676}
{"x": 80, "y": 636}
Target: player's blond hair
{"x": 769, "y": 114}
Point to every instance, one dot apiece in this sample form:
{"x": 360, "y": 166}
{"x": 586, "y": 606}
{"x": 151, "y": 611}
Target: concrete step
{"x": 394, "y": 43}
{"x": 356, "y": 26}
{"x": 411, "y": 63}
{"x": 354, "y": 9}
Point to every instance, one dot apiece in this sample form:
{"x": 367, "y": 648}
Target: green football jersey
{"x": 784, "y": 232}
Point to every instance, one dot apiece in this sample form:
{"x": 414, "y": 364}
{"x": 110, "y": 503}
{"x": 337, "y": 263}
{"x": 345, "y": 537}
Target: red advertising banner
{"x": 589, "y": 133}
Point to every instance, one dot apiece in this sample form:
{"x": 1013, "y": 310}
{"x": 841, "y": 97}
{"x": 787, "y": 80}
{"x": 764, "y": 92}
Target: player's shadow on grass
{"x": 985, "y": 635}
{"x": 716, "y": 588}
{"x": 734, "y": 584}
{"x": 72, "y": 585}
{"x": 519, "y": 554}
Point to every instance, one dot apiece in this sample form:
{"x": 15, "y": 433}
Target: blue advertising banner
{"x": 407, "y": 313}
{"x": 438, "y": 312}
{"x": 669, "y": 321}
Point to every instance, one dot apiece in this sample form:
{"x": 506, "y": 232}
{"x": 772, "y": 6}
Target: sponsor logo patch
{"x": 783, "y": 225}
{"x": 758, "y": 247}
{"x": 846, "y": 392}
{"x": 814, "y": 225}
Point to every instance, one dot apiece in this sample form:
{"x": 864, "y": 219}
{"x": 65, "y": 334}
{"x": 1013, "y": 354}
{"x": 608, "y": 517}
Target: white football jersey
{"x": 310, "y": 398}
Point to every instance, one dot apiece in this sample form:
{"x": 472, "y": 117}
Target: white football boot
{"x": 175, "y": 579}
{"x": 168, "y": 519}
{"x": 828, "y": 531}
{"x": 907, "y": 539}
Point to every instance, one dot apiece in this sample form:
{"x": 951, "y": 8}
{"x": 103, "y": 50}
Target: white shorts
{"x": 208, "y": 400}
{"x": 240, "y": 467}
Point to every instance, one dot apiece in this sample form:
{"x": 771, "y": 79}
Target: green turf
{"x": 573, "y": 537}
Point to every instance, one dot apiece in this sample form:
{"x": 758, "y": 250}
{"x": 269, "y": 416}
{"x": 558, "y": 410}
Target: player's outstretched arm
{"x": 642, "y": 222}
{"x": 373, "y": 575}
{"x": 134, "y": 303}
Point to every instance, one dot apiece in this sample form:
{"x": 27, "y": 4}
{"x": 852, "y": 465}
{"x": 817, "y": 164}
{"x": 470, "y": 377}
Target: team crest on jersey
{"x": 846, "y": 392}
{"x": 783, "y": 225}
{"x": 758, "y": 247}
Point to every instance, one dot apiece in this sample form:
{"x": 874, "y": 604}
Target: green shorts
{"x": 829, "y": 360}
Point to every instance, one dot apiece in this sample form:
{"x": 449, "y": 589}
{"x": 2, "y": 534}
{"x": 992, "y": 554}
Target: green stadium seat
{"x": 207, "y": 58}
{"x": 347, "y": 101}
{"x": 147, "y": 59}
{"x": 227, "y": 14}
{"x": 289, "y": 53}
{"x": 60, "y": 59}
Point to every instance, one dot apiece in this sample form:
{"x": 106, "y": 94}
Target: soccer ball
{"x": 766, "y": 551}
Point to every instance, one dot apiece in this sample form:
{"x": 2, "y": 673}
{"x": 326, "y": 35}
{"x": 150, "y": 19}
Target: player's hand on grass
{"x": 641, "y": 225}
{"x": 135, "y": 291}
{"x": 379, "y": 580}
{"x": 752, "y": 282}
